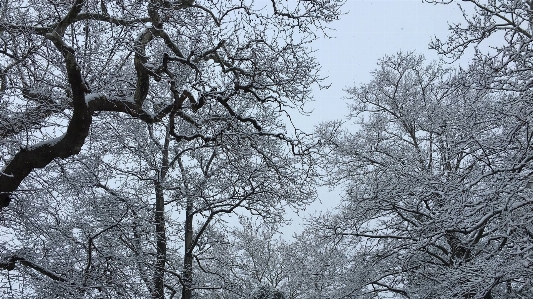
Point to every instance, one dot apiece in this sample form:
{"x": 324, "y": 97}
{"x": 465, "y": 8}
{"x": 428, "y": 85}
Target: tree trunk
{"x": 161, "y": 245}
{"x": 188, "y": 257}
{"x": 158, "y": 291}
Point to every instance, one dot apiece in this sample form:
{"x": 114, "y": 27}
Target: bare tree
{"x": 255, "y": 261}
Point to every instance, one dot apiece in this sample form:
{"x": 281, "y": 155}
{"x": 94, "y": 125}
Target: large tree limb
{"x": 38, "y": 156}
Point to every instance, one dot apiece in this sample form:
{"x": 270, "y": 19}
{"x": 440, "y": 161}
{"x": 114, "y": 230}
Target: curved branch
{"x": 61, "y": 27}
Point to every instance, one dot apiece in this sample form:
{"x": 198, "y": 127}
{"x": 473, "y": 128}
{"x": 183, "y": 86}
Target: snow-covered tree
{"x": 436, "y": 184}
{"x": 165, "y": 115}
{"x": 258, "y": 262}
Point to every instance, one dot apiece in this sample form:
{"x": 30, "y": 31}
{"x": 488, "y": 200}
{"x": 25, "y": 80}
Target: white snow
{"x": 91, "y": 97}
{"x": 50, "y": 142}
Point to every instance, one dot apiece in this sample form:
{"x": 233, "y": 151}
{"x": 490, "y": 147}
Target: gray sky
{"x": 369, "y": 30}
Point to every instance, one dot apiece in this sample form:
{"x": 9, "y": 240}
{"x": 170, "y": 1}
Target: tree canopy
{"x": 136, "y": 134}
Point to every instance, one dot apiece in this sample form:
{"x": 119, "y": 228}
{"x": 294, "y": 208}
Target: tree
{"x": 64, "y": 64}
{"x": 322, "y": 266}
{"x": 436, "y": 199}
{"x": 148, "y": 104}
{"x": 254, "y": 261}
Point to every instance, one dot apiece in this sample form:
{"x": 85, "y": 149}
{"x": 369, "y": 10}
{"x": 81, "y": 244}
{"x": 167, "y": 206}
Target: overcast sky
{"x": 369, "y": 30}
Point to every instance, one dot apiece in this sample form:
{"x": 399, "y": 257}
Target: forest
{"x": 148, "y": 151}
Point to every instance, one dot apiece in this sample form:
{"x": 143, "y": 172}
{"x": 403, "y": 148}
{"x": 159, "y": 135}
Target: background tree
{"x": 253, "y": 259}
{"x": 266, "y": 293}
{"x": 258, "y": 261}
{"x": 436, "y": 199}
